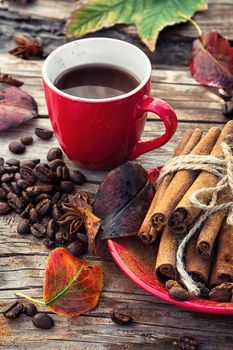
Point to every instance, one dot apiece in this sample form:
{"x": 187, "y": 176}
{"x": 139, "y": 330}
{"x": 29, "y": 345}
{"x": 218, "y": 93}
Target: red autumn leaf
{"x": 211, "y": 61}
{"x": 71, "y": 286}
{"x": 16, "y": 106}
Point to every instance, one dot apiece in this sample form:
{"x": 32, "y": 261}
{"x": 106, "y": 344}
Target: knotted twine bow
{"x": 223, "y": 169}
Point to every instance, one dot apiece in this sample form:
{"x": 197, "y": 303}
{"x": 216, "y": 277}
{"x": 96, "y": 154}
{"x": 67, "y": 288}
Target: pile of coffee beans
{"x": 36, "y": 191}
{"x": 39, "y": 319}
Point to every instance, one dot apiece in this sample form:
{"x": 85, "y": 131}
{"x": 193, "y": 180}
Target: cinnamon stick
{"x": 185, "y": 213}
{"x": 223, "y": 265}
{"x": 165, "y": 266}
{"x": 196, "y": 266}
{"x": 211, "y": 228}
{"x": 147, "y": 233}
{"x": 181, "y": 182}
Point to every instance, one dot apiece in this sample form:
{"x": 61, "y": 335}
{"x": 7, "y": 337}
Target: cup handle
{"x": 167, "y": 115}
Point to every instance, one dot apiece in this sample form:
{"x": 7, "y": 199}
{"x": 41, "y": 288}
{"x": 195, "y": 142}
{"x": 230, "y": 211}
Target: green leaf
{"x": 149, "y": 16}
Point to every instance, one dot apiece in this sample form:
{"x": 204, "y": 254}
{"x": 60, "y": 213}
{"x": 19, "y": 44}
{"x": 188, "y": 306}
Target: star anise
{"x": 74, "y": 216}
{"x": 27, "y": 47}
{"x": 6, "y": 78}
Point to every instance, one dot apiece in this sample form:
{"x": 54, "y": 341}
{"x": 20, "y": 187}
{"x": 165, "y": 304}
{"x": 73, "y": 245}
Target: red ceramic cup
{"x": 100, "y": 134}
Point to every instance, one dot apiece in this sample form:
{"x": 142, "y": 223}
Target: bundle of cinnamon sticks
{"x": 209, "y": 254}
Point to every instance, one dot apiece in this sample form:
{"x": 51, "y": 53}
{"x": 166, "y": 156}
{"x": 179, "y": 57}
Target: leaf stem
{"x": 29, "y": 298}
{"x": 196, "y": 26}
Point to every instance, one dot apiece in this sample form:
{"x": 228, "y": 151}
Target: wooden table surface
{"x": 22, "y": 260}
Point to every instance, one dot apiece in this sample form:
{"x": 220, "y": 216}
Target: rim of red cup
{"x": 67, "y": 46}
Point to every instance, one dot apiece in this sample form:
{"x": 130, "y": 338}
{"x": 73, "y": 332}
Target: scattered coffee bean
{"x": 25, "y": 213}
{"x": 27, "y": 163}
{"x": 38, "y": 230}
{"x": 26, "y": 140}
{"x": 44, "y": 221}
{"x": 15, "y": 188}
{"x": 63, "y": 173}
{"x": 3, "y": 194}
{"x": 77, "y": 248}
{"x": 178, "y": 293}
{"x": 44, "y": 174}
{"x": 24, "y": 184}
{"x": 27, "y": 174}
{"x": 11, "y": 169}
{"x": 6, "y": 187}
{"x": 54, "y": 164}
{"x": 81, "y": 237}
{"x": 54, "y": 153}
{"x": 56, "y": 197}
{"x": 43, "y": 134}
{"x": 33, "y": 215}
{"x": 1, "y": 161}
{"x": 17, "y": 176}
{"x": 41, "y": 197}
{"x": 23, "y": 227}
{"x": 52, "y": 228}
{"x": 4, "y": 208}
{"x": 16, "y": 147}
{"x": 14, "y": 311}
{"x": 43, "y": 207}
{"x": 15, "y": 202}
{"x": 30, "y": 310}
{"x": 66, "y": 186}
{"x": 48, "y": 243}
{"x": 43, "y": 321}
{"x": 120, "y": 318}
{"x": 26, "y": 197}
{"x": 7, "y": 177}
{"x": 13, "y": 162}
{"x": 38, "y": 189}
{"x": 77, "y": 177}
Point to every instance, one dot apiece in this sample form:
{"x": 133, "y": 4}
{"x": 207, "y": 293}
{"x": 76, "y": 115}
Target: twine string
{"x": 223, "y": 169}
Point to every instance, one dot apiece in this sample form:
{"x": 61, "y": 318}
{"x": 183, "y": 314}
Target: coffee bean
{"x": 6, "y": 187}
{"x": 56, "y": 197}
{"x": 15, "y": 202}
{"x": 121, "y": 318}
{"x": 26, "y": 140}
{"x": 44, "y": 174}
{"x": 1, "y": 161}
{"x": 27, "y": 163}
{"x": 28, "y": 174}
{"x": 77, "y": 248}
{"x": 26, "y": 197}
{"x": 41, "y": 197}
{"x": 43, "y": 321}
{"x": 7, "y": 177}
{"x": 4, "y": 208}
{"x": 51, "y": 228}
{"x": 2, "y": 170}
{"x": 13, "y": 162}
{"x": 55, "y": 212}
{"x": 11, "y": 168}
{"x": 63, "y": 173}
{"x": 16, "y": 147}
{"x": 33, "y": 215}
{"x": 48, "y": 243}
{"x": 54, "y": 164}
{"x": 81, "y": 237}
{"x": 24, "y": 184}
{"x": 17, "y": 177}
{"x": 25, "y": 213}
{"x": 3, "y": 194}
{"x": 36, "y": 161}
{"x": 14, "y": 311}
{"x": 77, "y": 177}
{"x": 38, "y": 230}
{"x": 38, "y": 189}
{"x": 54, "y": 153}
{"x": 178, "y": 293}
{"x": 23, "y": 227}
{"x": 45, "y": 220}
{"x": 43, "y": 207}
{"x": 59, "y": 237}
{"x": 43, "y": 134}
{"x": 15, "y": 188}
{"x": 30, "y": 310}
{"x": 66, "y": 186}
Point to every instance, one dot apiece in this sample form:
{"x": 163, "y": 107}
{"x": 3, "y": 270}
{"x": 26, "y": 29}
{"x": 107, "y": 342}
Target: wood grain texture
{"x": 22, "y": 259}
